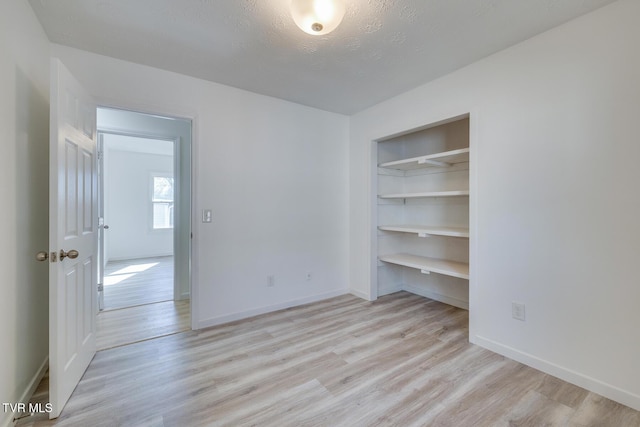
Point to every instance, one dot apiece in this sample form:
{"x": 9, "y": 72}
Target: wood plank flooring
{"x": 138, "y": 281}
{"x": 403, "y": 360}
{"x": 143, "y": 322}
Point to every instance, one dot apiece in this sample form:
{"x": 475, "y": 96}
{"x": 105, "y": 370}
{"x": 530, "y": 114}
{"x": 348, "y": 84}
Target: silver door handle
{"x": 42, "y": 256}
{"x": 73, "y": 254}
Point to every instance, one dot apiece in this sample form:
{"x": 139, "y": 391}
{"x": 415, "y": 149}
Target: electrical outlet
{"x": 517, "y": 311}
{"x": 271, "y": 281}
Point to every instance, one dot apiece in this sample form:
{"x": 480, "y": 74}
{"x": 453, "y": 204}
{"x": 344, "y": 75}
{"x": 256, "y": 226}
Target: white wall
{"x": 24, "y": 198}
{"x": 273, "y": 172}
{"x": 554, "y": 123}
{"x": 128, "y": 210}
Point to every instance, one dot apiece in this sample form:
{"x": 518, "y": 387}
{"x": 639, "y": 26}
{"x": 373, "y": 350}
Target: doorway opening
{"x": 138, "y": 220}
{"x": 144, "y": 226}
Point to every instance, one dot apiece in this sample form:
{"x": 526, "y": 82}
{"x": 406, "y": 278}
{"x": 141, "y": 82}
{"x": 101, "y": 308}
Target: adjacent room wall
{"x": 24, "y": 195}
{"x": 128, "y": 210}
{"x": 272, "y": 172}
{"x": 554, "y": 122}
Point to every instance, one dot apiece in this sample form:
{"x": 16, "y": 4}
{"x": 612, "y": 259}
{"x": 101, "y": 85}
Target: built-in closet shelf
{"x": 447, "y": 158}
{"x": 425, "y": 194}
{"x": 423, "y": 231}
{"x": 429, "y": 265}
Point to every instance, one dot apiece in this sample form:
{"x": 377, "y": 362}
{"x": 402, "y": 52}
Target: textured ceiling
{"x": 381, "y": 49}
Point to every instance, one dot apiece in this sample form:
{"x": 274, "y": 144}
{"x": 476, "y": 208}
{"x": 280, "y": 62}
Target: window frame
{"x": 154, "y": 202}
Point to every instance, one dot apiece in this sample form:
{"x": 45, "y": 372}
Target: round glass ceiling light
{"x": 317, "y": 17}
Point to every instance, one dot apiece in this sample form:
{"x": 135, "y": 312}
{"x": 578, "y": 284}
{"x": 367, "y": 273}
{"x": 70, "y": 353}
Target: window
{"x": 162, "y": 201}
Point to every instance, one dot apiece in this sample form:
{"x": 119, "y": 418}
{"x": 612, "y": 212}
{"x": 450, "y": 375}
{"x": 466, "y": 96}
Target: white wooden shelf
{"x": 447, "y": 158}
{"x": 425, "y": 194}
{"x": 423, "y": 230}
{"x": 429, "y": 265}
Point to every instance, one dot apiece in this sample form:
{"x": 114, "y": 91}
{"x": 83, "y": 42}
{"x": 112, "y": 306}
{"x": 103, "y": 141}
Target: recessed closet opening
{"x": 422, "y": 212}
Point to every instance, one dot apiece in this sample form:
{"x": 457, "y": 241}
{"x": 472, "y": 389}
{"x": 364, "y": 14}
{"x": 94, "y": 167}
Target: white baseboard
{"x": 213, "y": 321}
{"x": 26, "y": 395}
{"x": 596, "y": 386}
{"x": 126, "y": 258}
{"x": 360, "y": 294}
{"x": 437, "y": 297}
{"x": 418, "y": 291}
{"x": 388, "y": 290}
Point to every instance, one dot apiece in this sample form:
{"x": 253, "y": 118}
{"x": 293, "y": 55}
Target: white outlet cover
{"x": 518, "y": 311}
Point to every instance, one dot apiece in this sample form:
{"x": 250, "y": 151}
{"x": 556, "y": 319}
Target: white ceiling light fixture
{"x": 317, "y": 17}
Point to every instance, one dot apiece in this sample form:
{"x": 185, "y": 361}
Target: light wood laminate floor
{"x": 143, "y": 322}
{"x": 138, "y": 281}
{"x": 402, "y": 360}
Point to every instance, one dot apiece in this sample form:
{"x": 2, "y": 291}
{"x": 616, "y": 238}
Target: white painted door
{"x": 73, "y": 226}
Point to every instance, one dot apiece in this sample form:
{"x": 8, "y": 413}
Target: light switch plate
{"x": 207, "y": 215}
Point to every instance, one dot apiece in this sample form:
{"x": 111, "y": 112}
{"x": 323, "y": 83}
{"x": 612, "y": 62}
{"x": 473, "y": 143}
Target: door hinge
{"x": 99, "y": 155}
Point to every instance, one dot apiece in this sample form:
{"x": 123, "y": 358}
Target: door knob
{"x": 73, "y": 254}
{"x": 42, "y": 256}
{"x": 106, "y": 227}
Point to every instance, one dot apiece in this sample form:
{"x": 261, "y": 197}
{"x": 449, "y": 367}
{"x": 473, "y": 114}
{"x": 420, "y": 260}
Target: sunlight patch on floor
{"x": 136, "y": 268}
{"x": 114, "y": 280}
{"x": 126, "y": 273}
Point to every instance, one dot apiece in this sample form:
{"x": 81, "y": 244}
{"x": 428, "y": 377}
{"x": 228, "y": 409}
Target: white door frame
{"x": 189, "y": 175}
{"x": 178, "y": 231}
{"x": 101, "y": 225}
